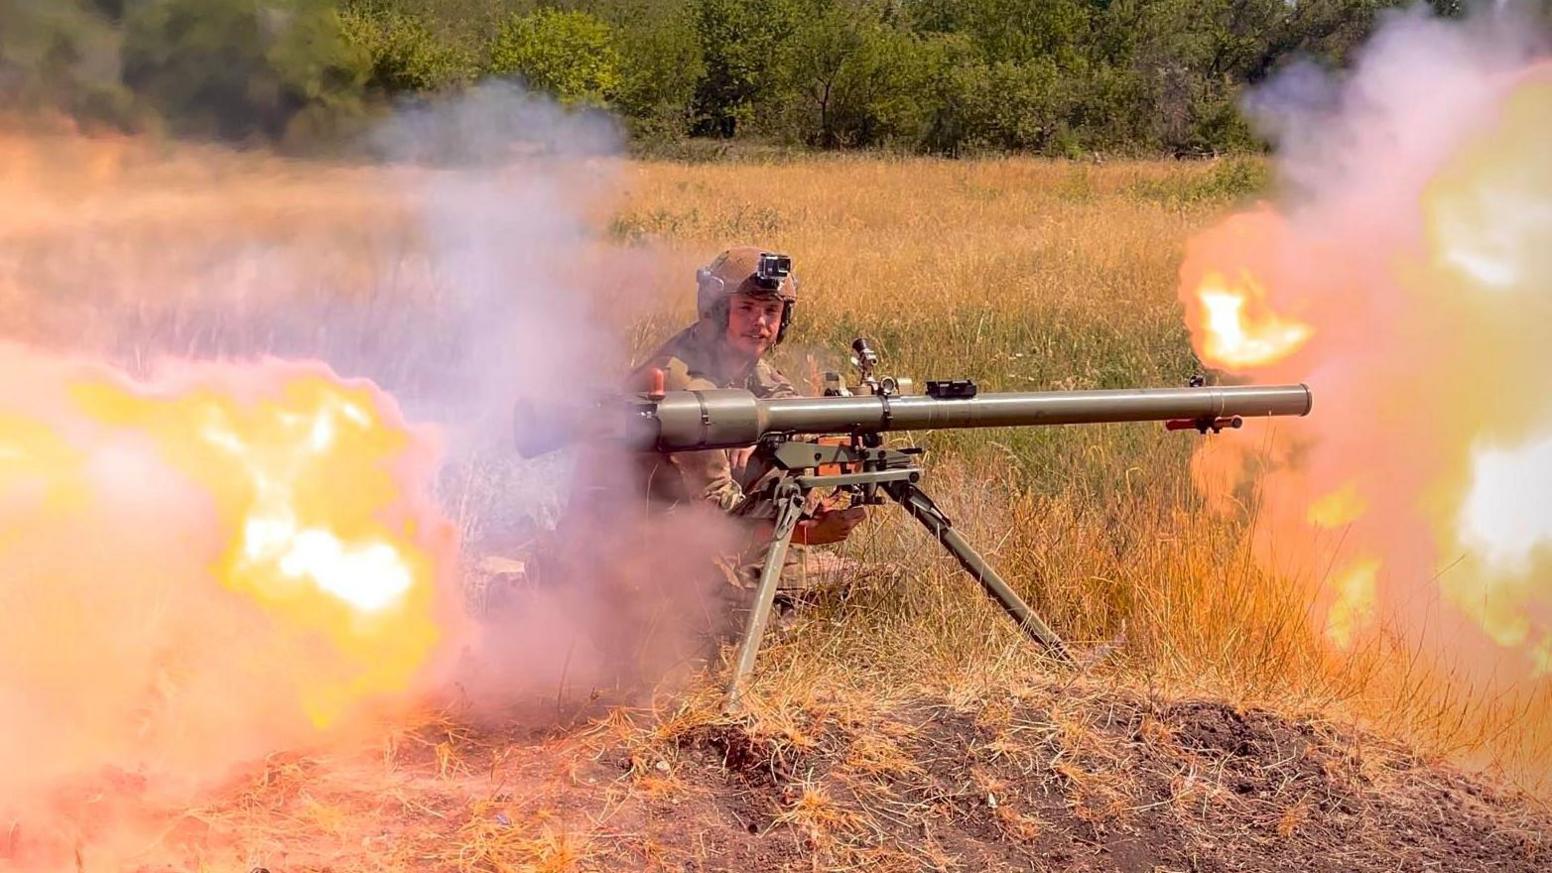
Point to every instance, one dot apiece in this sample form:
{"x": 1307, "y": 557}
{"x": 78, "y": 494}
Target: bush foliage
{"x": 1055, "y": 77}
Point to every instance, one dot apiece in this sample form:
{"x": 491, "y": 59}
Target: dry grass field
{"x": 1032, "y": 275}
{"x": 898, "y": 722}
{"x": 1024, "y": 276}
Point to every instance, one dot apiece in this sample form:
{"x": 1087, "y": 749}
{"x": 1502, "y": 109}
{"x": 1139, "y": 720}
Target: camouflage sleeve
{"x": 770, "y": 383}
{"x": 709, "y": 476}
{"x": 706, "y": 475}
{"x": 710, "y": 471}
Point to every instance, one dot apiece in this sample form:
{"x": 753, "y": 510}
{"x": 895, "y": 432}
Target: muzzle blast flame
{"x": 1410, "y": 285}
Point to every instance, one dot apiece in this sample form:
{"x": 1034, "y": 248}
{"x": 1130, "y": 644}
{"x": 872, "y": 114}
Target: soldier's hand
{"x": 738, "y": 460}
{"x": 829, "y": 526}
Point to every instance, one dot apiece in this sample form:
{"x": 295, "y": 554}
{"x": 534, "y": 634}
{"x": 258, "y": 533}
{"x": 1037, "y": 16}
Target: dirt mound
{"x": 1118, "y": 783}
{"x": 1051, "y": 777}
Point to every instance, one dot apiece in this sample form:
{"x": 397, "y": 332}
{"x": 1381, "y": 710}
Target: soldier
{"x": 745, "y": 300}
{"x": 604, "y": 548}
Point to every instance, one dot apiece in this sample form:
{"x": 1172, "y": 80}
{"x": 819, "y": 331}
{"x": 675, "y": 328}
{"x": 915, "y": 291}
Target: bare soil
{"x": 1051, "y": 777}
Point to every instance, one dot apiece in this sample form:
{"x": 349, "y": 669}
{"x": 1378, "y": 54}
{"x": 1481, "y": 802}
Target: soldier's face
{"x": 753, "y": 323}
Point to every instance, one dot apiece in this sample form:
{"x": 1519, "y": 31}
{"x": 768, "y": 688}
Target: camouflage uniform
{"x": 637, "y": 575}
{"x": 690, "y": 362}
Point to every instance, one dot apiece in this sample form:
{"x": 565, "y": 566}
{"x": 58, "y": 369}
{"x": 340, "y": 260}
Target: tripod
{"x": 871, "y": 474}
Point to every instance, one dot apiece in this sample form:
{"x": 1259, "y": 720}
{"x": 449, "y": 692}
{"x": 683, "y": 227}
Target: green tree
{"x": 404, "y": 53}
{"x": 1327, "y": 31}
{"x": 61, "y": 55}
{"x": 822, "y": 66}
{"x": 1114, "y": 110}
{"x": 241, "y": 68}
{"x": 1013, "y": 31}
{"x": 1191, "y": 59}
{"x": 660, "y": 67}
{"x": 1019, "y": 107}
{"x": 568, "y": 54}
{"x": 849, "y": 76}
{"x": 740, "y": 40}
{"x": 945, "y": 68}
{"x": 943, "y": 76}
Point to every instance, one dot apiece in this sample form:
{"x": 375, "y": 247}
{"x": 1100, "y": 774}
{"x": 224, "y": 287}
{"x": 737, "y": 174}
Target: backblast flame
{"x": 199, "y": 567}
{"x": 1352, "y": 610}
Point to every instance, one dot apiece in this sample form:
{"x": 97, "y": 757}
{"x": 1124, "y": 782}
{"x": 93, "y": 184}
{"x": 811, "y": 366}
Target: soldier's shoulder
{"x": 683, "y": 364}
{"x": 764, "y": 369}
{"x": 768, "y": 378}
{"x": 677, "y": 374}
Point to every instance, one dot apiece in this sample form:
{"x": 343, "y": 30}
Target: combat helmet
{"x": 746, "y": 270}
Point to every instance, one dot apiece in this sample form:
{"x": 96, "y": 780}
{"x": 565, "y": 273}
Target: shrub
{"x": 568, "y": 54}
{"x": 660, "y": 65}
{"x": 403, "y": 53}
{"x": 60, "y": 55}
{"x": 240, "y": 68}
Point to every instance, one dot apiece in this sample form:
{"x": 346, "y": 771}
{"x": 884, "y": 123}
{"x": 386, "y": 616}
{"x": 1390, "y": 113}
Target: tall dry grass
{"x": 1034, "y": 275}
{"x": 1021, "y": 274}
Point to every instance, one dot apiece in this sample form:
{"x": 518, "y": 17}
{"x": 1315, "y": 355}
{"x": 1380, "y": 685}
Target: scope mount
{"x": 1206, "y": 424}
{"x": 952, "y": 389}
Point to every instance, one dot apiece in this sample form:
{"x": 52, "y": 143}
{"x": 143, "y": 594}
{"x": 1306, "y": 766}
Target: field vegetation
{"x": 899, "y": 721}
{"x": 952, "y": 77}
{"x": 1037, "y": 275}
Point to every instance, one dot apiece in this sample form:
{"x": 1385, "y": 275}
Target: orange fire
{"x": 203, "y": 565}
{"x": 1234, "y": 323}
{"x": 1417, "y": 499}
{"x": 1236, "y": 336}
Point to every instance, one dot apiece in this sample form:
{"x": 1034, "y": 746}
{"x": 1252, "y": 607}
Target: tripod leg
{"x": 789, "y": 508}
{"x": 921, "y": 507}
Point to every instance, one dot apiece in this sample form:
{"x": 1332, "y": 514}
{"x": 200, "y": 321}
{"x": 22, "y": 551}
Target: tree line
{"x": 951, "y": 77}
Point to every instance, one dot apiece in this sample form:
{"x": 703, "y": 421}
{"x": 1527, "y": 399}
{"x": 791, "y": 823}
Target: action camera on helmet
{"x": 772, "y": 269}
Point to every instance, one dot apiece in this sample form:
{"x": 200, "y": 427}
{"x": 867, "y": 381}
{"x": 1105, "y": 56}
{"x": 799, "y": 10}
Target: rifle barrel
{"x": 729, "y": 418}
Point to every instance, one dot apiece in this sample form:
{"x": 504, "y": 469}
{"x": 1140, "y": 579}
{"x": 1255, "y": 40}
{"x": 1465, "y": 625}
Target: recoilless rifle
{"x": 837, "y": 442}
